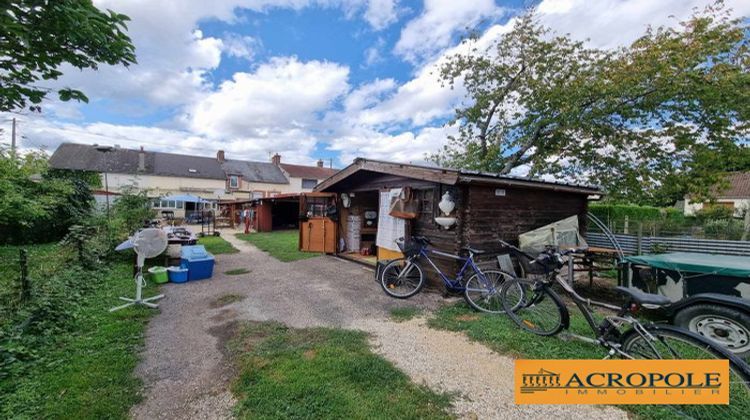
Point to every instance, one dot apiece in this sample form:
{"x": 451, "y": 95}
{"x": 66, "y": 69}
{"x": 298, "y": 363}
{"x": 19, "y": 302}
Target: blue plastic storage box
{"x": 198, "y": 261}
{"x": 177, "y": 274}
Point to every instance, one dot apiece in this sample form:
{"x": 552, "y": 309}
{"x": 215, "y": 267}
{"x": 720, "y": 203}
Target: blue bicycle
{"x": 404, "y": 277}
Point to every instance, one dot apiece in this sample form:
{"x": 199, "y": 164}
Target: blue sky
{"x": 307, "y": 79}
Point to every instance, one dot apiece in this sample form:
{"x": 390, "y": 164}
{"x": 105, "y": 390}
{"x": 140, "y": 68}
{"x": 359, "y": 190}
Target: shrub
{"x": 709, "y": 212}
{"x": 36, "y": 206}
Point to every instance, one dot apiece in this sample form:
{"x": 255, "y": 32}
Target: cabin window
{"x": 179, "y": 204}
{"x": 309, "y": 183}
{"x": 234, "y": 181}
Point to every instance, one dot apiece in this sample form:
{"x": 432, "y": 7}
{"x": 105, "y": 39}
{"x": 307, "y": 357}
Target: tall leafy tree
{"x": 650, "y": 122}
{"x": 38, "y": 36}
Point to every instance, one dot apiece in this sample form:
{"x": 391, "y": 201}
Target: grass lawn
{"x": 322, "y": 373}
{"x": 84, "y": 367}
{"x": 405, "y": 313}
{"x": 282, "y": 245}
{"x": 502, "y": 335}
{"x": 217, "y": 245}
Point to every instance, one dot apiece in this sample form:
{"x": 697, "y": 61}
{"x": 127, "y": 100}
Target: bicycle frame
{"x": 606, "y": 326}
{"x": 454, "y": 284}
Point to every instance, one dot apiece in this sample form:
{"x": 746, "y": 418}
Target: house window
{"x": 234, "y": 181}
{"x": 179, "y": 204}
{"x": 309, "y": 183}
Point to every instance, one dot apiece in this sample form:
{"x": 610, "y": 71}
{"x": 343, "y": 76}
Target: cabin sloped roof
{"x": 450, "y": 176}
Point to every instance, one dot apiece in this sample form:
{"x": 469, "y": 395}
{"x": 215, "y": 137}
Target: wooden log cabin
{"x": 488, "y": 206}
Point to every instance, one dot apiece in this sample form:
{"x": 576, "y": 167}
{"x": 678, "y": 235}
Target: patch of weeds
{"x": 236, "y": 271}
{"x": 405, "y": 313}
{"x": 226, "y": 300}
{"x": 322, "y": 373}
{"x": 63, "y": 355}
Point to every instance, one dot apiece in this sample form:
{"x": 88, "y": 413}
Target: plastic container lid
{"x": 193, "y": 252}
{"x": 177, "y": 269}
{"x": 157, "y": 269}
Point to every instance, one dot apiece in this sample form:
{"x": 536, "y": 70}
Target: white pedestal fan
{"x": 147, "y": 243}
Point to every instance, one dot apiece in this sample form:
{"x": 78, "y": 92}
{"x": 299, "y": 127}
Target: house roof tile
{"x": 311, "y": 172}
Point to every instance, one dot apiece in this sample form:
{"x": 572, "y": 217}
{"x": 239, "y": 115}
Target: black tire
{"x": 534, "y": 307}
{"x": 726, "y": 326}
{"x": 680, "y": 344}
{"x": 402, "y": 287}
{"x": 486, "y": 298}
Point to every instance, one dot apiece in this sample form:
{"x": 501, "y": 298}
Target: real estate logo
{"x": 622, "y": 381}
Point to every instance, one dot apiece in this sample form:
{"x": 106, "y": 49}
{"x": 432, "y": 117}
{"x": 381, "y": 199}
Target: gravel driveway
{"x": 187, "y": 376}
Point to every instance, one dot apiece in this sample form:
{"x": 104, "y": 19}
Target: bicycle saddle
{"x": 473, "y": 250}
{"x": 643, "y": 298}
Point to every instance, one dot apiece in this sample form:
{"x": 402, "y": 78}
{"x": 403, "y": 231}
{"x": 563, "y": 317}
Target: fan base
{"x": 144, "y": 302}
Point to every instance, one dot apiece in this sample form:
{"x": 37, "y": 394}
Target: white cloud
{"x": 241, "y": 46}
{"x": 373, "y": 54}
{"x": 424, "y": 37}
{"x": 291, "y": 107}
{"x": 283, "y": 94}
{"x": 408, "y": 146}
{"x": 611, "y": 23}
{"x": 381, "y": 13}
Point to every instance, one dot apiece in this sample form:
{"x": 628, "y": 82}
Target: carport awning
{"x": 187, "y": 198}
{"x": 691, "y": 262}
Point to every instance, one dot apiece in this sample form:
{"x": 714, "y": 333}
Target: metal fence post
{"x": 25, "y": 285}
{"x": 639, "y": 240}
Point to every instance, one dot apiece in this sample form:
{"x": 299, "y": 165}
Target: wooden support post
{"x": 24, "y": 278}
{"x": 747, "y": 224}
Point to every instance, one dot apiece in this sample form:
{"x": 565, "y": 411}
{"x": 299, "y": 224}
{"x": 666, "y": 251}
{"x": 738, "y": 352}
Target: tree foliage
{"x": 38, "y": 36}
{"x": 35, "y": 206}
{"x": 650, "y": 122}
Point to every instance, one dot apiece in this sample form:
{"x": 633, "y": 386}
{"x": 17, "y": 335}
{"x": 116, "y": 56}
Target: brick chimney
{"x": 220, "y": 156}
{"x": 142, "y": 160}
{"x": 320, "y": 163}
{"x": 276, "y": 159}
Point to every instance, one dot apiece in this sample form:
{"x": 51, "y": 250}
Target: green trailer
{"x": 710, "y": 293}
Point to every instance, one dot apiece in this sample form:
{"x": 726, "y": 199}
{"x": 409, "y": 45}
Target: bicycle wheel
{"x": 483, "y": 294}
{"x": 670, "y": 342}
{"x": 534, "y": 307}
{"x": 402, "y": 278}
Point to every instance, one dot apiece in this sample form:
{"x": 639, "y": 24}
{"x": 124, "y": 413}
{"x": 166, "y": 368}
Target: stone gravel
{"x": 187, "y": 375}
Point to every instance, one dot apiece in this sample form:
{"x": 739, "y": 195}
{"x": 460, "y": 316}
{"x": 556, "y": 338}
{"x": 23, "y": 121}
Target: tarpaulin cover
{"x": 563, "y": 234}
{"x": 691, "y": 262}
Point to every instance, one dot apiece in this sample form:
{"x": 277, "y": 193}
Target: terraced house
{"x": 169, "y": 174}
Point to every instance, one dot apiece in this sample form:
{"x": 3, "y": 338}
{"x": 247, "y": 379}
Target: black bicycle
{"x": 535, "y": 306}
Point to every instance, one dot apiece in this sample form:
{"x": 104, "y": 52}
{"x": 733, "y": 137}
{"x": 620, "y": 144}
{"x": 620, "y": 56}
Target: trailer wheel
{"x": 726, "y": 326}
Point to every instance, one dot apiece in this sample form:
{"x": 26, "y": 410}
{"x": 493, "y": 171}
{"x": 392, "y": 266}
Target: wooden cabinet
{"x": 318, "y": 234}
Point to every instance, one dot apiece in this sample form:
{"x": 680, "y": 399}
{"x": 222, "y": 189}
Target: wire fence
{"x": 636, "y": 245}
